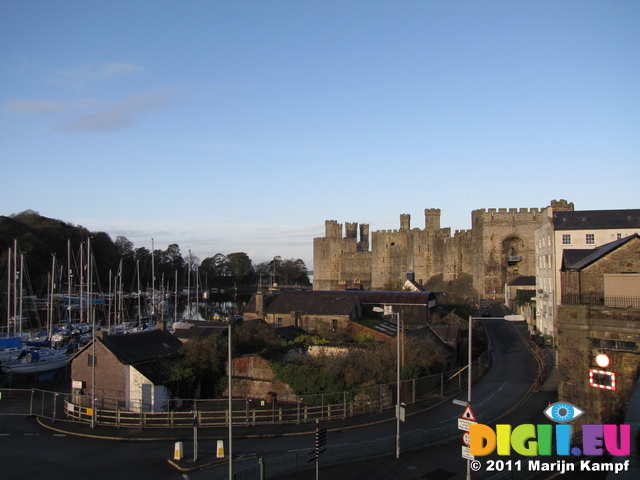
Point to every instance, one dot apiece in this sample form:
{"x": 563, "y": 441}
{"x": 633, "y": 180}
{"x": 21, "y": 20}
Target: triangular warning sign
{"x": 468, "y": 414}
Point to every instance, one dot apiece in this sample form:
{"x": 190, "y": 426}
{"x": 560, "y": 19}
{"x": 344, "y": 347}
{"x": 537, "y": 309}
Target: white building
{"x": 563, "y": 228}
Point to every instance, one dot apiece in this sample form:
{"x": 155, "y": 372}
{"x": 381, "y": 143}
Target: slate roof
{"x": 387, "y": 298}
{"x": 579, "y": 258}
{"x": 332, "y": 302}
{"x": 596, "y": 219}
{"x": 524, "y": 282}
{"x": 135, "y": 348}
{"x": 307, "y": 304}
{"x": 447, "y": 333}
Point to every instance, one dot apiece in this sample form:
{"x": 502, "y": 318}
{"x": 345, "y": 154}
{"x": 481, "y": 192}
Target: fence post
{"x": 442, "y": 384}
{"x": 55, "y": 405}
{"x": 344, "y": 409}
{"x": 414, "y": 391}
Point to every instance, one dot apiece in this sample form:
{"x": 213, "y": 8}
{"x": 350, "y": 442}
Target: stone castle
{"x": 499, "y": 247}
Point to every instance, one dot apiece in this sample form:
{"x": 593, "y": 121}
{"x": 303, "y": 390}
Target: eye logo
{"x": 562, "y": 412}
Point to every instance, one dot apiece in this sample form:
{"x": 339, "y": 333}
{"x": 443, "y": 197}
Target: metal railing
{"x": 613, "y": 301}
{"x": 351, "y": 452}
{"x": 252, "y": 412}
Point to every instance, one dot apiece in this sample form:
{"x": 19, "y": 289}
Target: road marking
{"x": 246, "y": 456}
{"x": 59, "y": 434}
{"x": 185, "y": 476}
{"x": 31, "y": 434}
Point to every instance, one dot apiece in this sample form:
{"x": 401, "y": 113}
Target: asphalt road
{"x": 28, "y": 451}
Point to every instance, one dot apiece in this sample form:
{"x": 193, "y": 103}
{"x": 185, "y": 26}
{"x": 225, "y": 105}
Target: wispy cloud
{"x": 91, "y": 72}
{"x": 29, "y": 106}
{"x": 118, "y": 116}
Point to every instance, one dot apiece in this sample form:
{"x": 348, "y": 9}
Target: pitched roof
{"x": 579, "y": 258}
{"x": 596, "y": 219}
{"x": 304, "y": 303}
{"x": 136, "y": 348}
{"x": 524, "y": 281}
{"x": 387, "y": 298}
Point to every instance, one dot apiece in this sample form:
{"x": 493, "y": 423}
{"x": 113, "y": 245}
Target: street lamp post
{"x": 230, "y": 371}
{"x": 397, "y": 316}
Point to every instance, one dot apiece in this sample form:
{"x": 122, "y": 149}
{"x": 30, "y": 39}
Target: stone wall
{"x": 496, "y": 236}
{"x": 584, "y": 331}
{"x": 110, "y": 374}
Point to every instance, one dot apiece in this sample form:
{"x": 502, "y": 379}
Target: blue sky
{"x": 228, "y": 126}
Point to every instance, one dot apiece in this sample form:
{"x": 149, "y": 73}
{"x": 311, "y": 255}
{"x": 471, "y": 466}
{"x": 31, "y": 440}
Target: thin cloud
{"x": 36, "y": 106}
{"x": 28, "y": 106}
{"x": 120, "y": 116}
{"x": 91, "y": 72}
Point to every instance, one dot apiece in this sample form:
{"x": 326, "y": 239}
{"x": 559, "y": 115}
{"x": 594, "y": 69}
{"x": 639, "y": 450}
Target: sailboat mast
{"x": 153, "y": 281}
{"x": 175, "y": 297}
{"x": 18, "y": 328}
{"x": 69, "y": 276}
{"x": 9, "y": 292}
{"x": 81, "y": 280}
{"x": 50, "y": 310}
{"x": 15, "y": 280}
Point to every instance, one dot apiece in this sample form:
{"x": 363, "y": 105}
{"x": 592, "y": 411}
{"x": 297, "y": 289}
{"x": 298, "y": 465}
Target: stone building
{"x": 336, "y": 311}
{"x": 600, "y": 314}
{"x": 563, "y": 229}
{"x": 498, "y": 248}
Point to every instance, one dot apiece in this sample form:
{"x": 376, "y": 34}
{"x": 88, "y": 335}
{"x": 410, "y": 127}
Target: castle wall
{"x": 499, "y": 247}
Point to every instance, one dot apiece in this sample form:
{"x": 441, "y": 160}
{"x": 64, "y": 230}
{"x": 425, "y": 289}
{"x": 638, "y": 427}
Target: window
{"x": 279, "y": 322}
{"x": 566, "y": 239}
{"x": 619, "y": 236}
{"x": 92, "y": 360}
{"x": 334, "y": 324}
{"x": 591, "y": 239}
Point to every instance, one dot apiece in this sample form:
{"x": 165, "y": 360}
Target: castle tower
{"x": 432, "y": 219}
{"x": 405, "y": 221}
{"x": 351, "y": 230}
{"x": 332, "y": 229}
{"x": 363, "y": 245}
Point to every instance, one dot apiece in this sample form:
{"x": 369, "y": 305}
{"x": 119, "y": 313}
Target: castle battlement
{"x": 485, "y": 251}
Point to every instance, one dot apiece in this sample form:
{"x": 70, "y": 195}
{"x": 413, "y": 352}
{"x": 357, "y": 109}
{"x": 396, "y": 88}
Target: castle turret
{"x": 432, "y": 219}
{"x": 405, "y": 221}
{"x": 363, "y": 245}
{"x": 351, "y": 230}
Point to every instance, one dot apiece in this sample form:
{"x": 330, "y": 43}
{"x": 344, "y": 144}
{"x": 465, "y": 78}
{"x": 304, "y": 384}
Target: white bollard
{"x": 177, "y": 452}
{"x": 220, "y": 449}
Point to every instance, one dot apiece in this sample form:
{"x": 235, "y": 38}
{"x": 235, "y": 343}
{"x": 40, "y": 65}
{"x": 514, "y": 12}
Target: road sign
{"x": 463, "y": 424}
{"x": 602, "y": 379}
{"x": 466, "y": 453}
{"x": 468, "y": 414}
{"x": 466, "y": 438}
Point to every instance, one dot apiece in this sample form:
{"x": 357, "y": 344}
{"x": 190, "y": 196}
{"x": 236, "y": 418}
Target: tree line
{"x": 38, "y": 238}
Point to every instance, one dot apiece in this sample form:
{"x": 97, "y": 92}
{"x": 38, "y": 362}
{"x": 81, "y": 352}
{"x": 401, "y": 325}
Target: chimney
{"x": 260, "y": 305}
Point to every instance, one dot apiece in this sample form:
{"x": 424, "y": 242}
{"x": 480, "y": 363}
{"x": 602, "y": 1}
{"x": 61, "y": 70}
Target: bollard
{"x": 220, "y": 449}
{"x": 177, "y": 452}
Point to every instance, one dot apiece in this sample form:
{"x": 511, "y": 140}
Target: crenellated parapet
{"x": 499, "y": 247}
